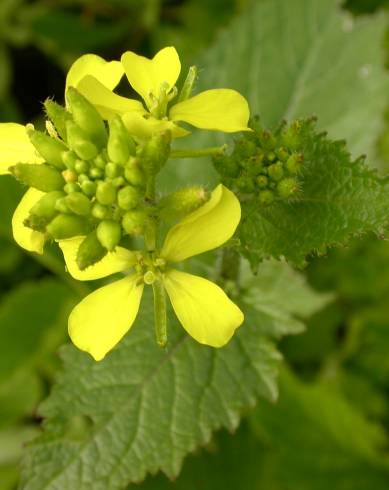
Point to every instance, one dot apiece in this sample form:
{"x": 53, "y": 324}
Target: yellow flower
{"x": 99, "y": 322}
{"x": 154, "y": 80}
{"x": 15, "y": 147}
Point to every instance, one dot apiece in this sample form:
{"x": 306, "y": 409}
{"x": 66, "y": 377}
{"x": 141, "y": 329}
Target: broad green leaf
{"x": 27, "y": 314}
{"x": 143, "y": 409}
{"x": 317, "y": 440}
{"x": 340, "y": 197}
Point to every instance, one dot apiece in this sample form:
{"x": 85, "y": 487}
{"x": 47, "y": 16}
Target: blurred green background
{"x": 330, "y": 428}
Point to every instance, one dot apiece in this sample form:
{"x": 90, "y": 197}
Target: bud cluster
{"x": 93, "y": 176}
{"x": 263, "y": 164}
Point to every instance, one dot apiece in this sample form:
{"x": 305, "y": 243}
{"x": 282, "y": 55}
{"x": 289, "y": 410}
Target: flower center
{"x": 158, "y": 104}
{"x": 149, "y": 267}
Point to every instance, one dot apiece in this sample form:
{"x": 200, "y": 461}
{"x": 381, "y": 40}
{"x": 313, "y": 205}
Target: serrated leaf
{"x": 143, "y": 409}
{"x": 340, "y": 197}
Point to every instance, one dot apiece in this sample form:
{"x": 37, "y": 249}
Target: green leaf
{"x": 339, "y": 198}
{"x": 143, "y": 409}
{"x": 317, "y": 440}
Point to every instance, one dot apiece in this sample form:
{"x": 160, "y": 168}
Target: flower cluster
{"x": 263, "y": 164}
{"x": 92, "y": 184}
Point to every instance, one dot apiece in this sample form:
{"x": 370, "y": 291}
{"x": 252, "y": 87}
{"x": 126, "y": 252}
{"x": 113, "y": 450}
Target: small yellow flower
{"x": 154, "y": 80}
{"x": 99, "y": 322}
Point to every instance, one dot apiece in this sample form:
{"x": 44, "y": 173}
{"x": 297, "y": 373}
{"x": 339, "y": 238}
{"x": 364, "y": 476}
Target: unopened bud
{"x": 49, "y": 148}
{"x": 226, "y": 165}
{"x": 96, "y": 173}
{"x": 71, "y": 187}
{"x": 266, "y": 197}
{"x": 267, "y": 140}
{"x": 100, "y": 212}
{"x": 109, "y": 234}
{"x": 245, "y": 184}
{"x": 291, "y": 137}
{"x": 44, "y": 211}
{"x": 86, "y": 117}
{"x": 69, "y": 176}
{"x": 113, "y": 170}
{"x": 78, "y": 203}
{"x": 282, "y": 154}
{"x": 58, "y": 115}
{"x": 287, "y": 187}
{"x": 182, "y": 202}
{"x": 134, "y": 222}
{"x": 295, "y": 163}
{"x": 88, "y": 188}
{"x": 61, "y": 205}
{"x": 40, "y": 176}
{"x": 81, "y": 167}
{"x": 79, "y": 142}
{"x": 276, "y": 171}
{"x": 100, "y": 161}
{"x": 90, "y": 251}
{"x": 120, "y": 144}
{"x": 133, "y": 172}
{"x": 262, "y": 181}
{"x": 128, "y": 197}
{"x": 156, "y": 152}
{"x": 67, "y": 226}
{"x": 70, "y": 159}
{"x": 106, "y": 193}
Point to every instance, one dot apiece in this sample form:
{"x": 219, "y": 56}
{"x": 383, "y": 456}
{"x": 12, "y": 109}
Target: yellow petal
{"x": 203, "y": 308}
{"x": 205, "y": 229}
{"x": 143, "y": 128}
{"x": 106, "y": 102}
{"x": 15, "y": 147}
{"x": 146, "y": 76}
{"x": 108, "y": 73}
{"x": 99, "y": 322}
{"x": 219, "y": 109}
{"x": 119, "y": 260}
{"x": 30, "y": 240}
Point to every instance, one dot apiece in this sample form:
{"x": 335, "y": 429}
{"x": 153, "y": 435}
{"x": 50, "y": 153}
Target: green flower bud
{"x": 58, "y": 115}
{"x": 282, "y": 154}
{"x": 44, "y": 211}
{"x": 254, "y": 165}
{"x": 69, "y": 176}
{"x": 267, "y": 140}
{"x": 134, "y": 173}
{"x": 61, "y": 205}
{"x": 276, "y": 171}
{"x": 81, "y": 167}
{"x": 109, "y": 234}
{"x": 226, "y": 165}
{"x": 67, "y": 226}
{"x": 245, "y": 184}
{"x": 96, "y": 173}
{"x": 79, "y": 142}
{"x": 113, "y": 170}
{"x": 295, "y": 163}
{"x": 100, "y": 212}
{"x": 120, "y": 144}
{"x": 40, "y": 176}
{"x": 106, "y": 193}
{"x": 128, "y": 197}
{"x": 49, "y": 148}
{"x": 70, "y": 159}
{"x": 291, "y": 137}
{"x": 271, "y": 156}
{"x": 156, "y": 152}
{"x": 287, "y": 187}
{"x": 266, "y": 197}
{"x": 71, "y": 187}
{"x": 182, "y": 202}
{"x": 245, "y": 148}
{"x": 90, "y": 251}
{"x": 88, "y": 188}
{"x": 100, "y": 161}
{"x": 262, "y": 181}
{"x": 86, "y": 117}
{"x": 83, "y": 178}
{"x": 118, "y": 182}
{"x": 78, "y": 203}
{"x": 134, "y": 222}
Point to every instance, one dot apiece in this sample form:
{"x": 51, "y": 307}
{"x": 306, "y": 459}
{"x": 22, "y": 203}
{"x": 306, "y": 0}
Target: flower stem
{"x": 160, "y": 317}
{"x": 206, "y": 152}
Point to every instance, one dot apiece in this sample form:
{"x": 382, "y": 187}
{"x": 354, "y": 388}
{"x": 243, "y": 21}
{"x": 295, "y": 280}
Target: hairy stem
{"x": 206, "y": 152}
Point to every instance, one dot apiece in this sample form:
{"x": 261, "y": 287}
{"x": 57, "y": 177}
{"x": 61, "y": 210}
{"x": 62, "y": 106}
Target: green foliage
{"x": 339, "y": 197}
{"x": 118, "y": 401}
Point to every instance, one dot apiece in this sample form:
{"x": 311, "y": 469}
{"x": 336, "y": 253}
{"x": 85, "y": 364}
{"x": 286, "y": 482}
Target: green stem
{"x": 230, "y": 266}
{"x": 160, "y": 317}
{"x": 206, "y": 152}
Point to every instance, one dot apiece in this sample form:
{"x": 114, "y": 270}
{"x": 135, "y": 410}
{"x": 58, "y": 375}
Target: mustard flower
{"x": 101, "y": 319}
{"x": 154, "y": 80}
